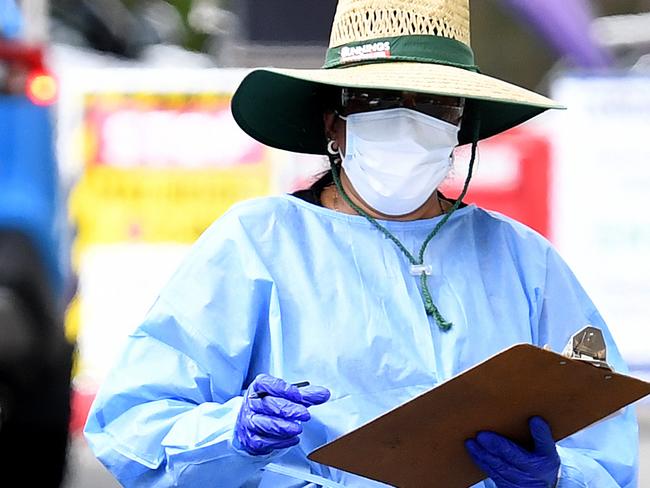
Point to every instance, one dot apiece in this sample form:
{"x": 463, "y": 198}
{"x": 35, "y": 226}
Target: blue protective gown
{"x": 280, "y": 286}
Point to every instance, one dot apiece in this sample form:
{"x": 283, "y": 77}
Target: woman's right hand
{"x": 275, "y": 420}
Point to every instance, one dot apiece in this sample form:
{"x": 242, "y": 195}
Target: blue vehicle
{"x": 35, "y": 358}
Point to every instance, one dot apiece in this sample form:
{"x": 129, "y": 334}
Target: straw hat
{"x": 408, "y": 45}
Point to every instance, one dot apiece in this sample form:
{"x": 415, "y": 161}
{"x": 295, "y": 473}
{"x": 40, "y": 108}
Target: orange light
{"x": 42, "y": 88}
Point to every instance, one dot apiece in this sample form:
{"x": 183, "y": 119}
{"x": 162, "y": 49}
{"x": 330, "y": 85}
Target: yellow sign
{"x": 161, "y": 167}
{"x": 113, "y": 205}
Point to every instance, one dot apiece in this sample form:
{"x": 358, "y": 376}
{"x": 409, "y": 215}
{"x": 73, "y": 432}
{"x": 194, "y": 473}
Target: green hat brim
{"x": 284, "y": 108}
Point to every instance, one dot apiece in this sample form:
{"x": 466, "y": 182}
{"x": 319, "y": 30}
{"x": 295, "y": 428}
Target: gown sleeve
{"x": 166, "y": 413}
{"x": 604, "y": 455}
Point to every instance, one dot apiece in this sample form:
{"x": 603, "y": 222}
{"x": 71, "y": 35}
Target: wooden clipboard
{"x": 421, "y": 443}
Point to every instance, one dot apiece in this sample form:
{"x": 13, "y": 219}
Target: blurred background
{"x": 117, "y": 149}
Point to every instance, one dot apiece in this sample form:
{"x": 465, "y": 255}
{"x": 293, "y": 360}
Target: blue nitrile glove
{"x": 511, "y": 466}
{"x": 274, "y": 421}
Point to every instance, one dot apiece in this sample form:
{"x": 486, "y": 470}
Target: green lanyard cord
{"x": 429, "y": 306}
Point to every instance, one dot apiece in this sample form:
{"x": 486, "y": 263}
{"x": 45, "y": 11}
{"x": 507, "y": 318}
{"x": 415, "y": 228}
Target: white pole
{"x": 36, "y": 16}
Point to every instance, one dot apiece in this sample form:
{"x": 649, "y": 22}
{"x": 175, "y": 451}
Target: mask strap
{"x": 416, "y": 264}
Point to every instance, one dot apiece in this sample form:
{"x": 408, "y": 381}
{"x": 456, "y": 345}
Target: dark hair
{"x": 330, "y": 98}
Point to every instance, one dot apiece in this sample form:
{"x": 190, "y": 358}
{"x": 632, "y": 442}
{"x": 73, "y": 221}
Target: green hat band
{"x": 413, "y": 48}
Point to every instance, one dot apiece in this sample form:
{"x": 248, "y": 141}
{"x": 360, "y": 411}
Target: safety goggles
{"x": 354, "y": 100}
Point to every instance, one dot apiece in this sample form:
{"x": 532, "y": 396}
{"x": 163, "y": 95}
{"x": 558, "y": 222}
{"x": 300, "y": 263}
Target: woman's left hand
{"x": 511, "y": 466}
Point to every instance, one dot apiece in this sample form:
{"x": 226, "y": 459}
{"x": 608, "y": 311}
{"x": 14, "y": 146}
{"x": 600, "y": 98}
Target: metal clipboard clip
{"x": 588, "y": 345}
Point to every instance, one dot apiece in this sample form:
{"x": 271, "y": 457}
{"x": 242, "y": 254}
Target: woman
{"x": 371, "y": 283}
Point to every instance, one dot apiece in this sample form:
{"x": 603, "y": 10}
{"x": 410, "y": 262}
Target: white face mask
{"x": 396, "y": 158}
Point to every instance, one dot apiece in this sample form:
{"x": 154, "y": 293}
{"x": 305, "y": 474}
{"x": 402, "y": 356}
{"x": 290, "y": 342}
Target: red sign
{"x": 511, "y": 176}
{"x": 165, "y": 131}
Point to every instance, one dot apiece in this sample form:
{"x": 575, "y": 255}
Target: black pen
{"x": 263, "y": 394}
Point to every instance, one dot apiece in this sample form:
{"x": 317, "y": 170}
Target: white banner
{"x": 602, "y": 199}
